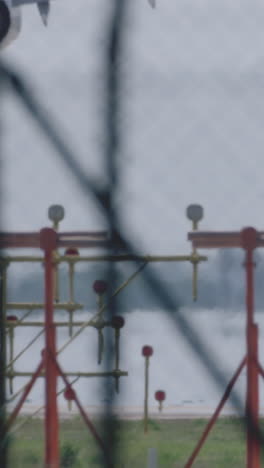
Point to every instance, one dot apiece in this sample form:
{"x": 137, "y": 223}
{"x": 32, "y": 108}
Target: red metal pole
{"x": 48, "y": 241}
{"x": 249, "y": 243}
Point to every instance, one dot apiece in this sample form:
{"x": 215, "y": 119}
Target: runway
{"x": 135, "y": 413}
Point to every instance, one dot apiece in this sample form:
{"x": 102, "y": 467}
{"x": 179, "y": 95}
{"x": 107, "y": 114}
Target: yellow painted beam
{"x": 13, "y": 323}
{"x": 37, "y": 305}
{"x": 109, "y": 258}
{"x": 114, "y": 373}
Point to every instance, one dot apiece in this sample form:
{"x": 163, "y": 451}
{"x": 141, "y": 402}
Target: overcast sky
{"x": 192, "y": 119}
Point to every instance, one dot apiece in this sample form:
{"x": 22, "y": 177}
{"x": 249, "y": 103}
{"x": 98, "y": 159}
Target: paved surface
{"x": 136, "y": 412}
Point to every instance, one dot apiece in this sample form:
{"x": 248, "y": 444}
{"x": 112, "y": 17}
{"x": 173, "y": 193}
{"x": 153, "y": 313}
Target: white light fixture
{"x": 56, "y": 213}
{"x": 194, "y": 213}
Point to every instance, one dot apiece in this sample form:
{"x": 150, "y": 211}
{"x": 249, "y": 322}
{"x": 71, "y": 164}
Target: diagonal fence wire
{"x": 90, "y": 187}
{"x": 104, "y": 198}
{"x": 113, "y": 53}
{"x": 119, "y": 239}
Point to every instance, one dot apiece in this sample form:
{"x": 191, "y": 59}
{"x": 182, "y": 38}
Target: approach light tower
{"x": 50, "y": 241}
{"x": 248, "y": 239}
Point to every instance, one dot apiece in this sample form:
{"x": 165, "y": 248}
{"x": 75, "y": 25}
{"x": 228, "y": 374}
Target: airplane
{"x": 10, "y": 17}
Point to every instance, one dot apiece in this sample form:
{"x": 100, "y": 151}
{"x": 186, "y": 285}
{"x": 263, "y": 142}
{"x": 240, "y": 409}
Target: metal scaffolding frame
{"x": 51, "y": 240}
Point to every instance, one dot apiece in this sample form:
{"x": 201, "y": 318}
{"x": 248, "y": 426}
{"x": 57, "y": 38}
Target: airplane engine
{"x": 10, "y": 22}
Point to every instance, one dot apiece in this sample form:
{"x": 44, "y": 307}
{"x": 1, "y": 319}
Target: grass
{"x": 174, "y": 441}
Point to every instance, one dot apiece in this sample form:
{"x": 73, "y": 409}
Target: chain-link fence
{"x": 125, "y": 115}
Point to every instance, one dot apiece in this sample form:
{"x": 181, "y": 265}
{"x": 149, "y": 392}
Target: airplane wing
{"x": 152, "y": 3}
{"x": 26, "y": 2}
{"x": 43, "y": 7}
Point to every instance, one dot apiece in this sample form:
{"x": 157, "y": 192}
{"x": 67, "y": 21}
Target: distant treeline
{"x": 220, "y": 283}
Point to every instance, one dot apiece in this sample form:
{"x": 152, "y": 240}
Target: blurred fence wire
{"x": 16, "y": 83}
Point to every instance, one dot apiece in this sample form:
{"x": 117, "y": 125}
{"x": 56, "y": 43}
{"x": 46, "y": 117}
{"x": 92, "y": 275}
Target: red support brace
{"x": 20, "y": 403}
{"x": 215, "y": 415}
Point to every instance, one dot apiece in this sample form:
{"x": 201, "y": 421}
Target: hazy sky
{"x": 192, "y": 119}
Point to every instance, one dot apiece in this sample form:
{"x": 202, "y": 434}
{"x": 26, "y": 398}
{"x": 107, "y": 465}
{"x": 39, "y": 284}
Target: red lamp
{"x": 69, "y": 395}
{"x": 72, "y": 251}
{"x": 147, "y": 351}
{"x": 117, "y": 322}
{"x": 100, "y": 286}
{"x": 160, "y": 396}
{"x": 11, "y": 318}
